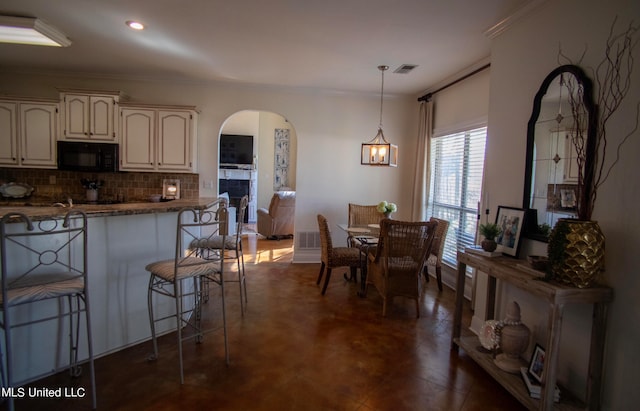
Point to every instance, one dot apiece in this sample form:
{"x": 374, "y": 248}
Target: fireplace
{"x": 236, "y": 189}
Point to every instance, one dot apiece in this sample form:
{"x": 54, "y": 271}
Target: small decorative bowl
{"x": 155, "y": 198}
{"x": 538, "y": 262}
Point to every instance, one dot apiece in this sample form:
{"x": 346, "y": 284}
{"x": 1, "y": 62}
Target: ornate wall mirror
{"x": 552, "y": 167}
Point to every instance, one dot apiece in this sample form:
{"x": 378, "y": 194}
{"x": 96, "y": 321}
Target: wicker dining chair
{"x": 334, "y": 257}
{"x": 435, "y": 256}
{"x": 362, "y": 215}
{"x": 395, "y": 267}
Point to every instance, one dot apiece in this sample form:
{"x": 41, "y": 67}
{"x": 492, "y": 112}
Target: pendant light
{"x": 378, "y": 151}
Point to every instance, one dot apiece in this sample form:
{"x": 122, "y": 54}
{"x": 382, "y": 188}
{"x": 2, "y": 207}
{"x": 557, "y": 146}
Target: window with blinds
{"x": 457, "y": 163}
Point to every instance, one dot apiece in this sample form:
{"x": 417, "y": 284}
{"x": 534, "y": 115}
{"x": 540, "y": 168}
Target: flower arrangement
{"x": 387, "y": 208}
{"x": 91, "y": 184}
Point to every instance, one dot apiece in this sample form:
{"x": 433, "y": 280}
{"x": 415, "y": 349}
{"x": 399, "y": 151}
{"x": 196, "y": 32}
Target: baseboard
{"x": 306, "y": 256}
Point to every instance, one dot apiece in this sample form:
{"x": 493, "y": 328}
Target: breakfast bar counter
{"x": 37, "y": 211}
{"x": 122, "y": 240}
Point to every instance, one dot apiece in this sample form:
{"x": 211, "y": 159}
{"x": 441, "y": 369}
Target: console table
{"x": 506, "y": 269}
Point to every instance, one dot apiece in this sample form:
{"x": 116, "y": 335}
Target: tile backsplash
{"x": 55, "y": 185}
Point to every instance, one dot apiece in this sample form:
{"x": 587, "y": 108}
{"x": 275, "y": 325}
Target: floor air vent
{"x": 308, "y": 239}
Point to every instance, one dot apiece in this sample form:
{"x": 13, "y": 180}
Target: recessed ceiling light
{"x": 136, "y": 25}
{"x": 29, "y": 30}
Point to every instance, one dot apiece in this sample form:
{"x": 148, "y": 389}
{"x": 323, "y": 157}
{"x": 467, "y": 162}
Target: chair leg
{"x": 439, "y": 277}
{"x": 244, "y": 279}
{"x": 8, "y": 357}
{"x": 224, "y": 316}
{"x": 92, "y": 372}
{"x": 74, "y": 369}
{"x": 152, "y": 322}
{"x": 197, "y": 292}
{"x": 178, "y": 299}
{"x": 425, "y": 271}
{"x": 417, "y": 308}
{"x": 384, "y": 306}
{"x": 241, "y": 281}
{"x": 320, "y": 275}
{"x": 326, "y": 280}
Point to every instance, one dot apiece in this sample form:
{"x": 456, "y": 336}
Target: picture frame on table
{"x": 510, "y": 220}
{"x": 536, "y": 365}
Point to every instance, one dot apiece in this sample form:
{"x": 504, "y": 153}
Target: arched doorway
{"x": 273, "y": 166}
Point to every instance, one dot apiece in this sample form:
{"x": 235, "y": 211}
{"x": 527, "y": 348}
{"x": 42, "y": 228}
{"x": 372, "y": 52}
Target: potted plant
{"x": 489, "y": 231}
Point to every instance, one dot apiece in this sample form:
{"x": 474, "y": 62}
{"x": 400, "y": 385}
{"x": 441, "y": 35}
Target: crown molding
{"x": 508, "y": 21}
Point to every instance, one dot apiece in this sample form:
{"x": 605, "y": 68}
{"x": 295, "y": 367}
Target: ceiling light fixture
{"x": 29, "y": 30}
{"x": 136, "y": 25}
{"x": 378, "y": 151}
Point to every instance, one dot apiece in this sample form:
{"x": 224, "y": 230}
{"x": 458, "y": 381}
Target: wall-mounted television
{"x": 236, "y": 149}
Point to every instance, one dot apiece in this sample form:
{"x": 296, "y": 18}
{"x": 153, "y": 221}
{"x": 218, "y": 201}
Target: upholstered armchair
{"x": 277, "y": 221}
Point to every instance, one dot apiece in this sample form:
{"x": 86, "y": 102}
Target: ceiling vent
{"x": 405, "y": 68}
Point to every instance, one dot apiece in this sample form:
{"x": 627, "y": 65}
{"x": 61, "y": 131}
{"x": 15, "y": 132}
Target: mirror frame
{"x": 530, "y": 230}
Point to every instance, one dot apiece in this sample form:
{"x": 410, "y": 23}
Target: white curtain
{"x": 422, "y": 175}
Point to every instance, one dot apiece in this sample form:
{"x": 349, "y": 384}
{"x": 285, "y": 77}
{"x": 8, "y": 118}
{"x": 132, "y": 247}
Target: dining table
{"x": 365, "y": 238}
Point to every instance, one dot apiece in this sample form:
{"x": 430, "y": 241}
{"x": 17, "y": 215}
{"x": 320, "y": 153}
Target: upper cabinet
{"x": 158, "y": 138}
{"x": 90, "y": 116}
{"x": 8, "y": 132}
{"x": 28, "y": 133}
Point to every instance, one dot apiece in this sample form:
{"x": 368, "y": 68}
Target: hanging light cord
{"x": 382, "y": 69}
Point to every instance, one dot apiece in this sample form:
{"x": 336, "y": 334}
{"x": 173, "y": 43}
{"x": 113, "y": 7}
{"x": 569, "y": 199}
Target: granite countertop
{"x": 37, "y": 212}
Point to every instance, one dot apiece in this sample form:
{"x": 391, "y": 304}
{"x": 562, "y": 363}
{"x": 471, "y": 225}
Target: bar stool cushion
{"x": 188, "y": 267}
{"x": 215, "y": 242}
{"x": 44, "y": 286}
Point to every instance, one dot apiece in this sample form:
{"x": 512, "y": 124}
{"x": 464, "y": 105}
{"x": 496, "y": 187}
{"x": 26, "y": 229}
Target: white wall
{"x": 330, "y": 126}
{"x": 521, "y": 58}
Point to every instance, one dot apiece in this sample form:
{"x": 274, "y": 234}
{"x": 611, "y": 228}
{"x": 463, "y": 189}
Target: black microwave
{"x": 79, "y": 156}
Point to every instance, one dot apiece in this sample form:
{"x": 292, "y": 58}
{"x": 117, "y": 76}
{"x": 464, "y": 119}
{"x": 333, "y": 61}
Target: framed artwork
{"x": 536, "y": 365}
{"x": 562, "y": 198}
{"x": 510, "y": 220}
{"x": 281, "y": 160}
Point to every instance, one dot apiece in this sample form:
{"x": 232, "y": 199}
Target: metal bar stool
{"x": 42, "y": 261}
{"x": 230, "y": 248}
{"x": 170, "y": 278}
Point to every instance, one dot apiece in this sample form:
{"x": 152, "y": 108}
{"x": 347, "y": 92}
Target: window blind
{"x": 456, "y": 186}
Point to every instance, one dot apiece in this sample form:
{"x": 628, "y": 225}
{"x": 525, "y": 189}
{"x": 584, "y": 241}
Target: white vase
{"x": 92, "y": 195}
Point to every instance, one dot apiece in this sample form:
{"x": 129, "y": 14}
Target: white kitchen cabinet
{"x": 8, "y": 133}
{"x": 90, "y": 116}
{"x": 28, "y": 133}
{"x": 156, "y": 138}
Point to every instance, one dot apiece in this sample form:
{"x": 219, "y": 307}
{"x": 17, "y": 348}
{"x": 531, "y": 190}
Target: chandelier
{"x": 378, "y": 151}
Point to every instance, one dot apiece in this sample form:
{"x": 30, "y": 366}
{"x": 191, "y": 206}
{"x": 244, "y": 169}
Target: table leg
{"x": 598, "y": 334}
{"x": 457, "y": 318}
{"x": 363, "y": 272}
{"x": 551, "y": 361}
